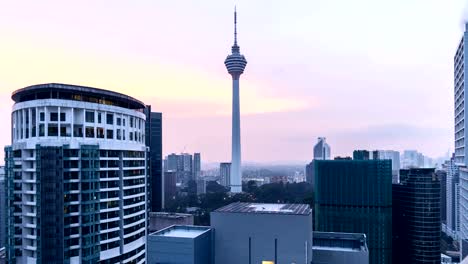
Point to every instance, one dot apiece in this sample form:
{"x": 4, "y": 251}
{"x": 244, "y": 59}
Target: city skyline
{"x": 308, "y": 66}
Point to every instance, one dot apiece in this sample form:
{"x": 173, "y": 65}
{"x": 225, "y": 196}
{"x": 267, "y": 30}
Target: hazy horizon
{"x": 364, "y": 74}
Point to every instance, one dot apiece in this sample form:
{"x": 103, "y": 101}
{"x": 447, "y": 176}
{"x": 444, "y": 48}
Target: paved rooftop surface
{"x": 259, "y": 208}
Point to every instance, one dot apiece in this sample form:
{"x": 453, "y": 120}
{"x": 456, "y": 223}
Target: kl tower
{"x": 235, "y": 64}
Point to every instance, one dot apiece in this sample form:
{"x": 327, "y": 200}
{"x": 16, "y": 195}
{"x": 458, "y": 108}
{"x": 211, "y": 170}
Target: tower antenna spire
{"x": 235, "y": 26}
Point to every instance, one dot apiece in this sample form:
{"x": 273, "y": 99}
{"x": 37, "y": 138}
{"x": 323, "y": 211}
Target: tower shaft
{"x": 236, "y": 174}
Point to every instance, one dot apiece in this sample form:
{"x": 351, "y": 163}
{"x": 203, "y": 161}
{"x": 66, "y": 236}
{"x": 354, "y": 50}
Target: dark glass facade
{"x": 416, "y": 222}
{"x": 154, "y": 142}
{"x": 355, "y": 196}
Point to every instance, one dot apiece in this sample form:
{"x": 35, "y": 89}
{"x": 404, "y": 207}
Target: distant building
{"x": 2, "y": 207}
{"x": 322, "y": 150}
{"x": 282, "y": 233}
{"x": 392, "y": 155}
{"x": 171, "y": 162}
{"x": 201, "y": 186}
{"x": 416, "y": 217}
{"x": 340, "y": 248}
{"x": 361, "y": 155}
{"x": 225, "y": 173}
{"x": 196, "y": 166}
{"x": 452, "y": 196}
{"x": 355, "y": 196}
{"x": 154, "y": 142}
{"x": 161, "y": 220}
{"x": 442, "y": 175}
{"x": 170, "y": 189}
{"x": 412, "y": 159}
{"x": 181, "y": 244}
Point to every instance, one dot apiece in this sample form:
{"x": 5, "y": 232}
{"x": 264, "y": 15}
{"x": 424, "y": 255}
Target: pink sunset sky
{"x": 366, "y": 74}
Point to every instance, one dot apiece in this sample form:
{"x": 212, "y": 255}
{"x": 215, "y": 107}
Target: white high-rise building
{"x": 225, "y": 174}
{"x": 452, "y": 193}
{"x": 322, "y": 150}
{"x": 235, "y": 64}
{"x": 461, "y": 158}
{"x": 76, "y": 176}
{"x": 196, "y": 166}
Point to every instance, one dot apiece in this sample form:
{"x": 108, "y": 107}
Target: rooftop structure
{"x": 343, "y": 241}
{"x": 262, "y": 233}
{"x": 181, "y": 244}
{"x": 340, "y": 248}
{"x": 162, "y": 220}
{"x": 295, "y": 209}
{"x": 75, "y": 93}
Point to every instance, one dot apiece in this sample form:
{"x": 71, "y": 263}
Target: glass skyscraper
{"x": 416, "y": 217}
{"x": 355, "y": 196}
{"x": 76, "y": 176}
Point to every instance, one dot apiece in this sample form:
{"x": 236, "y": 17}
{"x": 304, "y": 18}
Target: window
{"x": 89, "y": 132}
{"x": 131, "y": 121}
{"x": 41, "y": 130}
{"x": 54, "y": 117}
{"x": 118, "y": 134}
{"x": 52, "y": 130}
{"x": 42, "y": 116}
{"x": 123, "y": 121}
{"x": 110, "y": 119}
{"x": 131, "y": 136}
{"x": 78, "y": 131}
{"x": 63, "y": 132}
{"x": 123, "y": 133}
{"x": 89, "y": 117}
{"x": 62, "y": 116}
{"x": 100, "y": 132}
{"x": 118, "y": 121}
{"x": 99, "y": 117}
{"x": 110, "y": 133}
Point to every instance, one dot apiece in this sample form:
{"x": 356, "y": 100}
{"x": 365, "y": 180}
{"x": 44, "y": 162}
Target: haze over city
{"x": 364, "y": 74}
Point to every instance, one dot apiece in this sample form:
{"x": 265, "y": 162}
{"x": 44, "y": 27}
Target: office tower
{"x": 392, "y": 155}
{"x": 154, "y": 142}
{"x": 2, "y": 207}
{"x": 235, "y": 64}
{"x": 322, "y": 150}
{"x": 452, "y": 197}
{"x": 442, "y": 175}
{"x": 196, "y": 166}
{"x": 201, "y": 186}
{"x": 225, "y": 174}
{"x": 170, "y": 180}
{"x": 355, "y": 196}
{"x": 171, "y": 162}
{"x": 76, "y": 176}
{"x": 262, "y": 233}
{"x": 416, "y": 217}
{"x": 361, "y": 155}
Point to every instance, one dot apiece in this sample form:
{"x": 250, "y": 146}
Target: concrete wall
{"x": 233, "y": 230}
{"x": 340, "y": 257}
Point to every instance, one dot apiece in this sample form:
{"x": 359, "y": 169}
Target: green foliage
{"x": 217, "y": 196}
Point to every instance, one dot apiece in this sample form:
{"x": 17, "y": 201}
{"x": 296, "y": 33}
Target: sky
{"x": 365, "y": 74}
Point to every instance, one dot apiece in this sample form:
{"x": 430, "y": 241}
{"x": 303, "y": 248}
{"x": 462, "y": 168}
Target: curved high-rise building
{"x": 76, "y": 176}
{"x": 235, "y": 64}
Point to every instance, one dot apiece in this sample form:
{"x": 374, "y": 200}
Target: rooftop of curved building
{"x": 75, "y": 93}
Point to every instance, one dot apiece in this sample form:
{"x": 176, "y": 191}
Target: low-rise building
{"x": 181, "y": 244}
{"x": 161, "y": 220}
